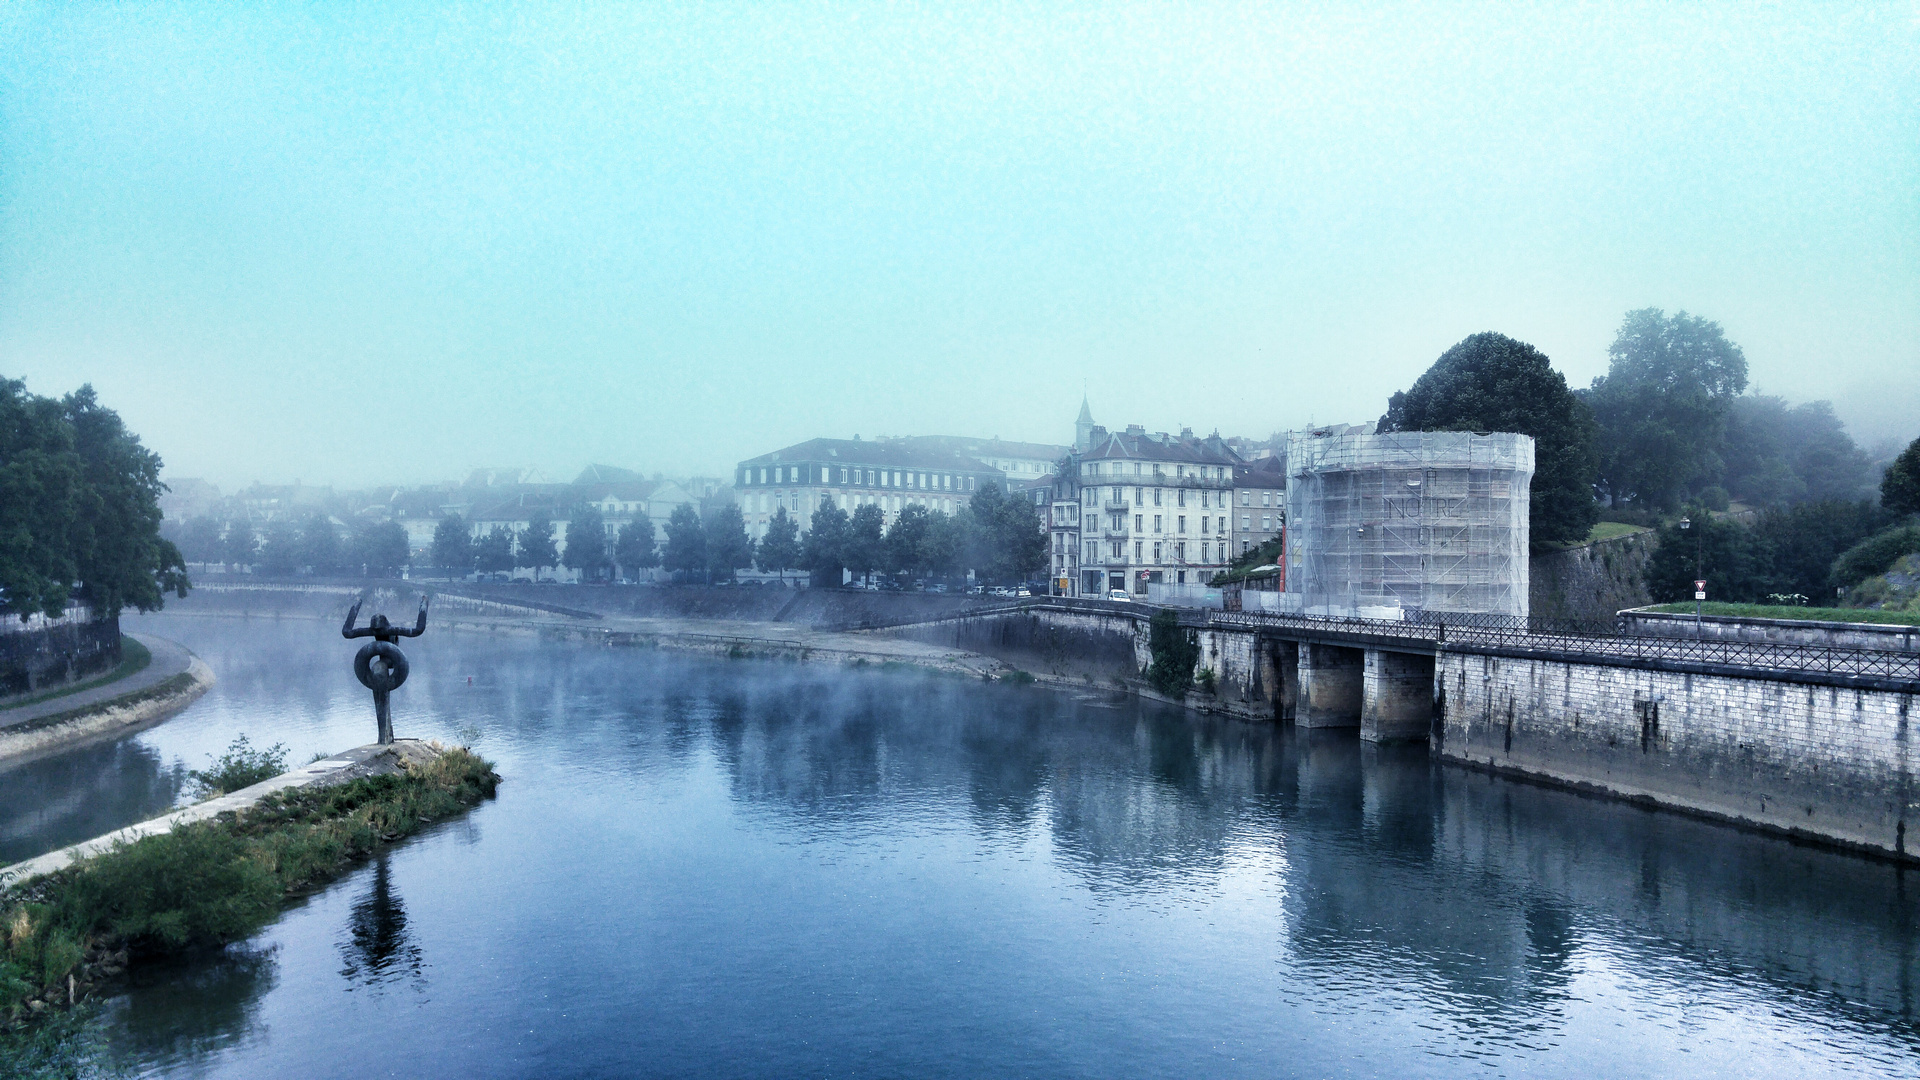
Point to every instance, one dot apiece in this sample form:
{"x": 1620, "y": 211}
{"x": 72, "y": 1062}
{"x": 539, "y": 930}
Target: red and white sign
{"x": 1699, "y": 590}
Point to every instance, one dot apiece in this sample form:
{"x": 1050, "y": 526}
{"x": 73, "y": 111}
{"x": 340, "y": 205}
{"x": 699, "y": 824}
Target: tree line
{"x": 996, "y": 536}
{"x": 1670, "y": 425}
{"x": 79, "y": 509}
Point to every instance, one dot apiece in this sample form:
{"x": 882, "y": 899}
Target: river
{"x": 743, "y": 868}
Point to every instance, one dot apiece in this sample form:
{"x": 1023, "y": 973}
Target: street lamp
{"x": 1699, "y": 582}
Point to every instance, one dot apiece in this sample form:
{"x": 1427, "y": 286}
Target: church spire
{"x": 1083, "y": 427}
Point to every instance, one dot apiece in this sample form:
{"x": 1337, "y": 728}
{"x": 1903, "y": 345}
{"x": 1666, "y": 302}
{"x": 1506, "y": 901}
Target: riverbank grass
{"x": 209, "y": 883}
{"x": 1787, "y": 611}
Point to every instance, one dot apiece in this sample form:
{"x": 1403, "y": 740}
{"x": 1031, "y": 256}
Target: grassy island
{"x": 205, "y": 884}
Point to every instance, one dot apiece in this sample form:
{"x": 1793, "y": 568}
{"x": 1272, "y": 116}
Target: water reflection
{"x": 1340, "y": 888}
{"x": 51, "y": 802}
{"x": 179, "y": 1012}
{"x": 377, "y": 950}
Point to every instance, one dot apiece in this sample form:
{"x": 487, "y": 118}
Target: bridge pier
{"x": 1332, "y": 683}
{"x": 1397, "y": 699}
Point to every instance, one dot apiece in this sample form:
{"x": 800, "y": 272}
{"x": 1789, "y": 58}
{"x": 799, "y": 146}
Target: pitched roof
{"x": 1212, "y": 450}
{"x": 887, "y": 453}
{"x": 606, "y": 474}
{"x": 990, "y": 448}
{"x": 1086, "y": 413}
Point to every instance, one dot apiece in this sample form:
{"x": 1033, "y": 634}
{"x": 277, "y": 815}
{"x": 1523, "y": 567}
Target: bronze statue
{"x": 380, "y": 665}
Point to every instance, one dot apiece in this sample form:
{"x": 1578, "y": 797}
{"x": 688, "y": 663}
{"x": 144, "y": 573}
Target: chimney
{"x": 1136, "y": 429}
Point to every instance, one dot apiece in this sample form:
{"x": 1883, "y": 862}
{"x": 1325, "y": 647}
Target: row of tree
{"x": 1670, "y": 423}
{"x": 313, "y": 543}
{"x": 79, "y": 509}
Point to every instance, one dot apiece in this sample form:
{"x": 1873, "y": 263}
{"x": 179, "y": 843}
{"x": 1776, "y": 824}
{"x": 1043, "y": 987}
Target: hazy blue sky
{"x": 382, "y": 242}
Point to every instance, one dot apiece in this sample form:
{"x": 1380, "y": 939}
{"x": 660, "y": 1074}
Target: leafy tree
{"x": 1662, "y": 406}
{"x": 1175, "y": 651}
{"x": 536, "y": 550}
{"x": 944, "y": 541}
{"x": 1900, "y": 487}
{"x": 452, "y": 545}
{"x": 381, "y": 547}
{"x": 1733, "y": 560}
{"x": 1804, "y": 540}
{"x": 1786, "y": 550}
{"x": 280, "y": 554}
{"x": 633, "y": 548}
{"x": 779, "y": 549}
{"x": 320, "y": 544}
{"x": 905, "y": 542}
{"x": 200, "y": 539}
{"x": 121, "y": 559}
{"x": 1874, "y": 555}
{"x": 686, "y": 541}
{"x": 728, "y": 546}
{"x": 1490, "y": 382}
{"x": 863, "y": 551}
{"x": 823, "y": 548}
{"x": 39, "y": 487}
{"x": 1776, "y": 454}
{"x": 1002, "y": 535}
{"x": 239, "y": 546}
{"x": 587, "y": 542}
{"x": 493, "y": 554}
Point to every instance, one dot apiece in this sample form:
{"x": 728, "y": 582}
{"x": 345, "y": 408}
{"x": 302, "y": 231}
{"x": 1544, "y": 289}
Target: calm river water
{"x": 739, "y": 868}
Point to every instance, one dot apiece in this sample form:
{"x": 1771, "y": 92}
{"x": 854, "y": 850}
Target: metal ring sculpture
{"x": 380, "y": 665}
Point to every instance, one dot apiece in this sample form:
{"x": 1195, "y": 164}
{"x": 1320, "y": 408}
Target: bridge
{"x": 1802, "y": 738}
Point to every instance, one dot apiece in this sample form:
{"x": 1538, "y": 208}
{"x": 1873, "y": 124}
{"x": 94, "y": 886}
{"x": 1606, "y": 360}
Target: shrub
{"x": 241, "y": 766}
{"x": 1175, "y": 651}
{"x": 1875, "y": 554}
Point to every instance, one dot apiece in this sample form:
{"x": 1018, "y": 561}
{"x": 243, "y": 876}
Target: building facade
{"x": 1259, "y": 503}
{"x": 849, "y": 473}
{"x": 1152, "y": 508}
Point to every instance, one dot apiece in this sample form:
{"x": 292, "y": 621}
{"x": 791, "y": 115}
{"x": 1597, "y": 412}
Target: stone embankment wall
{"x": 1819, "y": 761}
{"x": 1835, "y": 635}
{"x": 1592, "y": 582}
{"x": 42, "y": 653}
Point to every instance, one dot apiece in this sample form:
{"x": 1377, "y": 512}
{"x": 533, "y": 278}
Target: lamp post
{"x": 1699, "y": 582}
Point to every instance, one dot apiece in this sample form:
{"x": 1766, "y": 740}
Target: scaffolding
{"x": 1417, "y": 520}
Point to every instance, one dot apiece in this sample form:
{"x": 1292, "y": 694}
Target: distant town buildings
{"x": 1153, "y": 509}
{"x": 851, "y": 473}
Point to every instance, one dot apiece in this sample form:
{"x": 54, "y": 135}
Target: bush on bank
{"x": 211, "y": 882}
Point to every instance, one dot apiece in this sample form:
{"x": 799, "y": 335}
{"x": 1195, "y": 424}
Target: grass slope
{"x": 1781, "y": 611}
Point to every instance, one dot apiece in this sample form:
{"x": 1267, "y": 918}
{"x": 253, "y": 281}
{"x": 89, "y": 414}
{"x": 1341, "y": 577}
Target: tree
{"x": 901, "y": 551}
{"x": 823, "y": 548}
{"x": 536, "y": 550}
{"x": 587, "y": 542}
{"x": 1490, "y": 382}
{"x": 686, "y": 550}
{"x": 779, "y": 549}
{"x": 452, "y": 545}
{"x": 1900, "y": 487}
{"x": 728, "y": 546}
{"x": 944, "y": 541}
{"x": 1662, "y": 406}
{"x": 320, "y": 544}
{"x": 1175, "y": 651}
{"x": 1775, "y": 454}
{"x": 280, "y": 554}
{"x": 381, "y": 547}
{"x": 39, "y": 486}
{"x": 1001, "y": 535}
{"x": 865, "y": 530}
{"x": 493, "y": 554}
{"x": 120, "y": 557}
{"x": 634, "y": 548}
{"x": 239, "y": 546}
{"x": 200, "y": 539}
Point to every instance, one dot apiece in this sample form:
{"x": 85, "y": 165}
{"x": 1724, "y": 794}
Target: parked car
{"x": 1118, "y": 594}
{"x": 1022, "y": 591}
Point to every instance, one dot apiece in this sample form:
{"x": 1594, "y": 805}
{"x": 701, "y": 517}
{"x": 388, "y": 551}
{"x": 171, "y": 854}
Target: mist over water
{"x": 748, "y": 868}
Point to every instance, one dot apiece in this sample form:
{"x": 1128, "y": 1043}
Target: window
{"x": 1180, "y": 552}
{"x": 1156, "y": 523}
{"x": 1245, "y": 545}
{"x": 1118, "y": 497}
{"x": 1156, "y": 496}
{"x": 1266, "y": 521}
{"x": 1246, "y": 498}
{"x": 1265, "y": 496}
{"x": 1183, "y": 496}
{"x": 1206, "y": 552}
{"x": 1137, "y": 546}
{"x": 1183, "y": 522}
{"x": 843, "y": 474}
{"x": 1137, "y": 526}
{"x": 1139, "y": 496}
{"x": 1203, "y": 525}
{"x": 1119, "y": 549}
{"x": 1156, "y": 552}
{"x": 1246, "y": 521}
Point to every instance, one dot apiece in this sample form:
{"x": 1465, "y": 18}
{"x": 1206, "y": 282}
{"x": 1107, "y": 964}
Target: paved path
{"x": 370, "y": 760}
{"x": 169, "y": 659}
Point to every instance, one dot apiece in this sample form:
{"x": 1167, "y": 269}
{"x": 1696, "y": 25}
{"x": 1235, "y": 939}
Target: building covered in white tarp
{"x": 1421, "y": 520}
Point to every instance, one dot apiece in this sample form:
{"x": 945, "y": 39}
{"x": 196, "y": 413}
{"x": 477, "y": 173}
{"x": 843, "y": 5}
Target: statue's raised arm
{"x": 420, "y": 624}
{"x": 353, "y": 615}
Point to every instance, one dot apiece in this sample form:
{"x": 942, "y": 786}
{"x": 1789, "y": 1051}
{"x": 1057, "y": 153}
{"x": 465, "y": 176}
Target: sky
{"x": 359, "y": 244}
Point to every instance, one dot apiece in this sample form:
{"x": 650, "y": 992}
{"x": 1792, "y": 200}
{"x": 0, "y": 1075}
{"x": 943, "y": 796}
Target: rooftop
{"x": 889, "y": 453}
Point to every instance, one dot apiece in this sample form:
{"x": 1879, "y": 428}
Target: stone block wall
{"x": 1833, "y": 635}
{"x": 50, "y": 653}
{"x": 1820, "y": 761}
{"x": 1590, "y": 583}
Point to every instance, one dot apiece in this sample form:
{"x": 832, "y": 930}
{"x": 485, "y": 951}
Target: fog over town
{"x": 356, "y": 248}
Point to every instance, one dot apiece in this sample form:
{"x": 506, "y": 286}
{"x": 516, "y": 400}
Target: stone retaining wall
{"x": 42, "y": 654}
{"x": 1833, "y": 635}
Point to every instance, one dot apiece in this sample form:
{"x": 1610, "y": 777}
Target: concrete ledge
{"x": 370, "y": 760}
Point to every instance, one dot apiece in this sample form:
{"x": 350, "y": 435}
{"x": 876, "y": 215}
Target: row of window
{"x": 1140, "y": 468}
{"x": 1117, "y": 551}
{"x": 858, "y": 476}
{"x": 1140, "y": 497}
